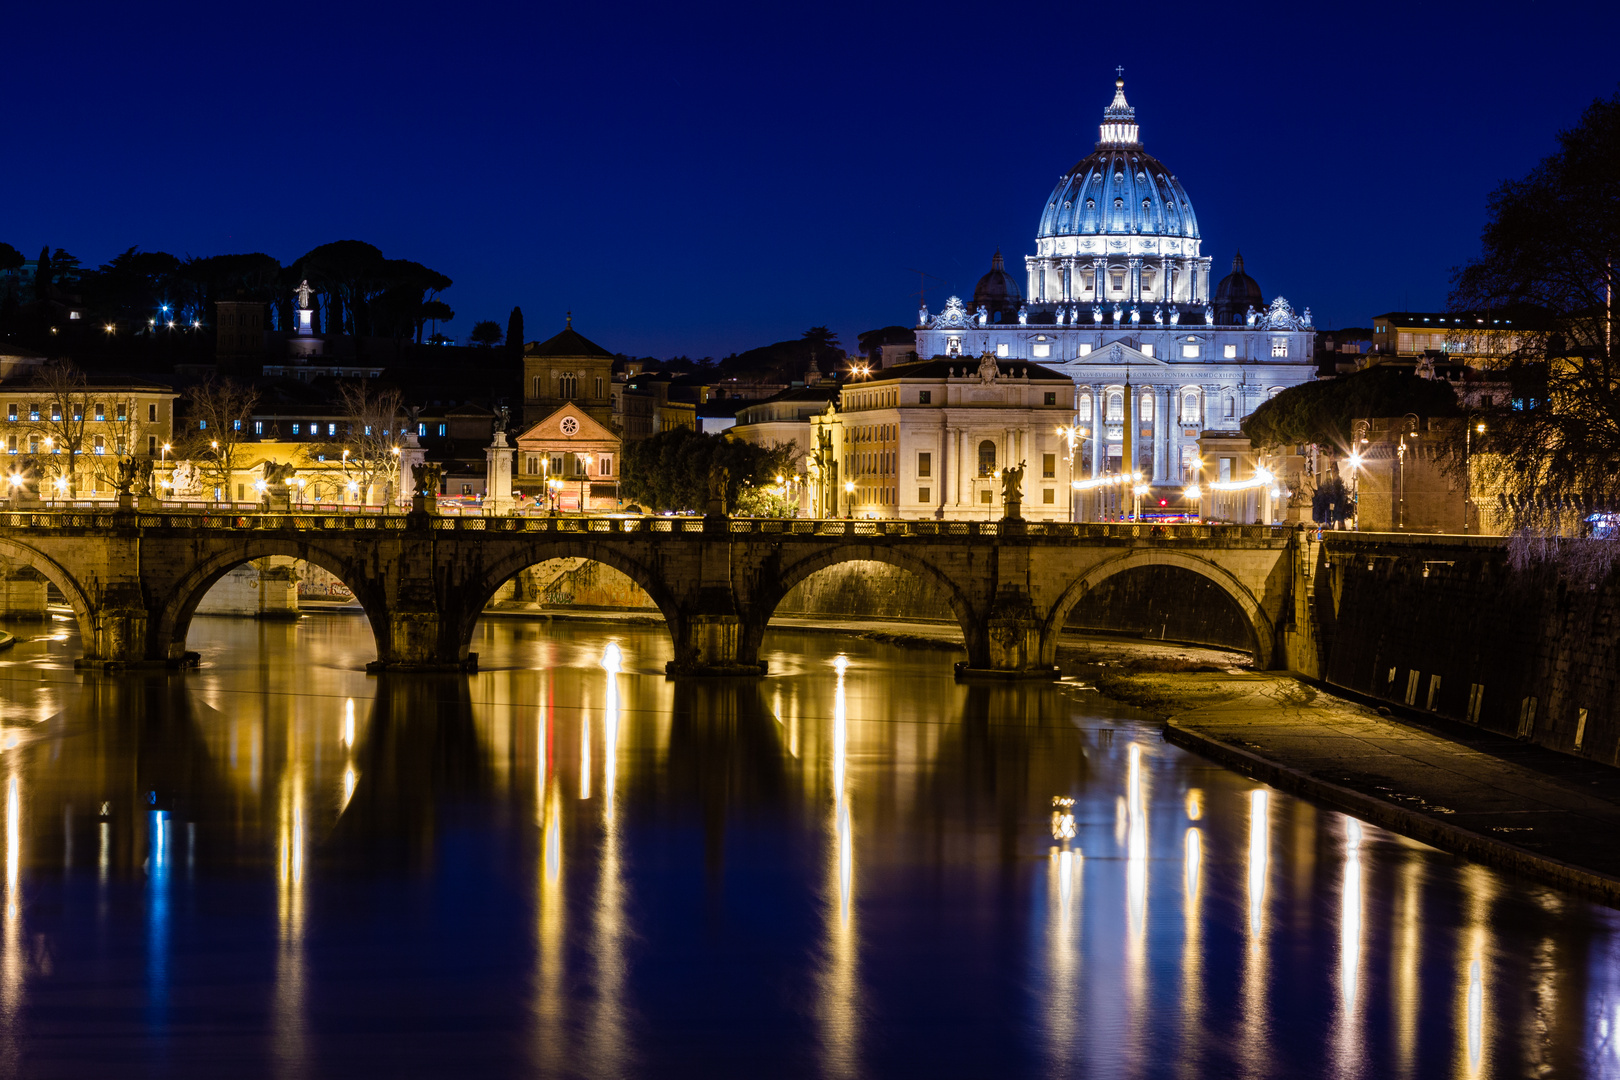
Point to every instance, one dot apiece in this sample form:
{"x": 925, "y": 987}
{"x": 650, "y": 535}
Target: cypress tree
{"x": 514, "y": 333}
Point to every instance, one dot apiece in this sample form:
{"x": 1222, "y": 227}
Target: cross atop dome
{"x": 1119, "y": 119}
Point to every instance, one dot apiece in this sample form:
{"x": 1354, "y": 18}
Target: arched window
{"x": 1116, "y": 408}
{"x": 1229, "y": 409}
{"x": 567, "y": 385}
{"x": 1189, "y": 407}
{"x": 1085, "y": 406}
{"x": 1147, "y": 407}
{"x": 987, "y": 458}
{"x": 539, "y": 387}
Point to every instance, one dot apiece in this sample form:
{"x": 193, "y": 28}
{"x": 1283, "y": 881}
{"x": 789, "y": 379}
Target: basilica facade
{"x": 1117, "y": 297}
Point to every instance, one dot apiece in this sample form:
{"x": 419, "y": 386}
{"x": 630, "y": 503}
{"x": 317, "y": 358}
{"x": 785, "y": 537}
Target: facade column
{"x": 1097, "y": 433}
{"x": 1133, "y": 279}
{"x": 1161, "y": 432}
{"x": 1067, "y": 272}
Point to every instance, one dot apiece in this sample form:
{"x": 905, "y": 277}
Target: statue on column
{"x": 1023, "y": 314}
{"x": 1096, "y": 314}
{"x": 1012, "y": 491}
{"x": 1136, "y": 317}
{"x": 922, "y": 315}
{"x": 303, "y": 292}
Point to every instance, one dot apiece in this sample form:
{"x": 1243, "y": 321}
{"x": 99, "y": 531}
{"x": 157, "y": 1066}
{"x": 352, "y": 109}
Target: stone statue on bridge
{"x": 719, "y": 482}
{"x": 426, "y": 476}
{"x": 1012, "y": 492}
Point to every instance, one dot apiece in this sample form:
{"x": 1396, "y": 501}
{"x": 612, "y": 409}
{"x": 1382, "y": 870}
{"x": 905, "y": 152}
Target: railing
{"x": 785, "y": 528}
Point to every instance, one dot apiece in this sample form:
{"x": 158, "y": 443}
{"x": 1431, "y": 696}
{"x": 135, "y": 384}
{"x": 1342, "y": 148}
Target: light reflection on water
{"x": 567, "y": 865}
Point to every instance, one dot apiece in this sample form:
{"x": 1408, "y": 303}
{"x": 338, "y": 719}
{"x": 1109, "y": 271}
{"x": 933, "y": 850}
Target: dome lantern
{"x": 1119, "y": 119}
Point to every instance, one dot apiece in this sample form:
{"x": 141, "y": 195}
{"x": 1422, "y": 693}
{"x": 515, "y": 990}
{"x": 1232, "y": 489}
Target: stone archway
{"x": 1260, "y": 624}
{"x": 175, "y": 611}
{"x": 765, "y": 602}
{"x": 479, "y": 593}
{"x": 70, "y": 589}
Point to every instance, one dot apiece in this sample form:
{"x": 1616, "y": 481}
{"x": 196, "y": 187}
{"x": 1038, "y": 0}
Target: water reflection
{"x": 404, "y": 866}
{"x": 840, "y": 976}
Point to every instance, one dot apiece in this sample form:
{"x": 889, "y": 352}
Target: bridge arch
{"x": 771, "y": 593}
{"x": 57, "y": 575}
{"x": 175, "y": 611}
{"x": 479, "y": 592}
{"x": 1260, "y": 624}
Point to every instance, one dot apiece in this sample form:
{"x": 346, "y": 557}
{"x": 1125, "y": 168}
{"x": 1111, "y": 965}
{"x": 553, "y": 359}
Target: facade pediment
{"x": 567, "y": 424}
{"x": 1116, "y": 353}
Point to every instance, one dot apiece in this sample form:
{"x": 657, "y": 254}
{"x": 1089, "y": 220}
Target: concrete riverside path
{"x": 1496, "y": 800}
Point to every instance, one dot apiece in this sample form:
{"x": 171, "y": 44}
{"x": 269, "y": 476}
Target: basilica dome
{"x": 1118, "y": 190}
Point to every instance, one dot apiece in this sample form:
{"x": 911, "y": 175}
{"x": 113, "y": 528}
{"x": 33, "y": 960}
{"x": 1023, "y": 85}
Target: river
{"x": 566, "y": 865}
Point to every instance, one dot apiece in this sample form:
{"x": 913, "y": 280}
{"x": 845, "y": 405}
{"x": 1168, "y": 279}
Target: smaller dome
{"x": 1235, "y": 294}
{"x": 998, "y": 292}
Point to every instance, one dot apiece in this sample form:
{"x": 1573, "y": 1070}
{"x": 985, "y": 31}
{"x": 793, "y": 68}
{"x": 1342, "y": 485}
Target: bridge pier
{"x": 22, "y": 594}
{"x": 1009, "y": 644}
{"x": 416, "y": 641}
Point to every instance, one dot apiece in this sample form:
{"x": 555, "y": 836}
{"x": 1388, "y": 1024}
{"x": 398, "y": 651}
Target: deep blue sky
{"x": 706, "y": 178}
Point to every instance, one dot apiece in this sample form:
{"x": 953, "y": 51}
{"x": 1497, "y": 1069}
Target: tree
{"x": 214, "y": 437}
{"x": 1331, "y": 502}
{"x": 1551, "y": 244}
{"x": 56, "y": 440}
{"x": 1321, "y": 413}
{"x": 486, "y": 334}
{"x": 671, "y": 470}
{"x": 369, "y": 445}
{"x": 514, "y": 334}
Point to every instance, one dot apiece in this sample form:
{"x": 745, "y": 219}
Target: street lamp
{"x": 1468, "y": 469}
{"x": 849, "y": 498}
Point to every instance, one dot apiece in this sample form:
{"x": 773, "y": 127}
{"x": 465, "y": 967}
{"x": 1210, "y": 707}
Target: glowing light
{"x": 348, "y": 723}
{"x": 1195, "y": 804}
{"x": 1259, "y": 859}
{"x": 1476, "y": 1015}
{"x": 61, "y": 483}
{"x": 1195, "y": 859}
{"x": 350, "y": 779}
{"x": 1350, "y": 920}
{"x": 1194, "y": 493}
{"x": 13, "y": 843}
{"x": 1062, "y": 818}
{"x": 1136, "y": 845}
{"x": 612, "y": 658}
{"x": 585, "y": 758}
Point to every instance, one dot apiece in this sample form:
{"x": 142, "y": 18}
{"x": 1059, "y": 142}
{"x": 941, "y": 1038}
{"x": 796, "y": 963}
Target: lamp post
{"x": 849, "y": 498}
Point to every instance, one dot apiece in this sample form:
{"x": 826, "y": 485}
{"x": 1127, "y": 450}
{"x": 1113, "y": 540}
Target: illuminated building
{"x": 1117, "y": 295}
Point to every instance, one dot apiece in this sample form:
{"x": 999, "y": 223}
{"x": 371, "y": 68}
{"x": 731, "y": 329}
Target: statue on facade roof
{"x": 922, "y": 315}
{"x": 1136, "y": 316}
{"x": 303, "y": 292}
{"x": 1119, "y": 314}
{"x": 1209, "y": 315}
{"x": 1023, "y": 314}
{"x": 982, "y": 315}
{"x": 1158, "y": 316}
{"x": 1059, "y": 317}
{"x": 1175, "y": 315}
{"x": 1096, "y": 314}
{"x": 988, "y": 368}
{"x": 1250, "y": 318}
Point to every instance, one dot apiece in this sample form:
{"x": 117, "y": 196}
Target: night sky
{"x": 701, "y": 179}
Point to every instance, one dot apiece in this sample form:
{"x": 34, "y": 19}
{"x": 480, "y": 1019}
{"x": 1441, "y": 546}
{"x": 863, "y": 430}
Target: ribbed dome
{"x": 998, "y": 292}
{"x": 1119, "y": 190}
{"x": 1235, "y": 294}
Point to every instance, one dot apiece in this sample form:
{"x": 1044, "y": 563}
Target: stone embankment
{"x": 1499, "y": 801}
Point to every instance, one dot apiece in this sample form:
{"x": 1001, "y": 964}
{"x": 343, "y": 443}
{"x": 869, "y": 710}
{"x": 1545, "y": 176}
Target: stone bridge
{"x": 134, "y": 579}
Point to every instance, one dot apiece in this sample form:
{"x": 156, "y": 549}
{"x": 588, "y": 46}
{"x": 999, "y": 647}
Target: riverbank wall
{"x": 1445, "y": 626}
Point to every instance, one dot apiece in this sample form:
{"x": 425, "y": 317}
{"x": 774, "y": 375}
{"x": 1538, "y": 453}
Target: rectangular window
{"x": 925, "y": 397}
{"x": 151, "y": 414}
{"x": 295, "y": 429}
{"x": 1085, "y": 348}
{"x": 331, "y": 430}
{"x": 1048, "y": 466}
{"x": 33, "y": 410}
{"x": 1002, "y": 350}
{"x": 1189, "y": 352}
{"x": 1050, "y": 398}
{"x": 1041, "y": 351}
{"x": 101, "y": 411}
{"x": 1226, "y": 469}
{"x": 923, "y": 495}
{"x": 236, "y": 425}
{"x": 151, "y": 446}
{"x": 441, "y": 430}
{"x": 925, "y": 466}
{"x": 1279, "y": 346}
{"x": 11, "y": 411}
{"x": 1147, "y": 349}
{"x": 421, "y": 429}
{"x": 556, "y": 464}
{"x": 1048, "y": 495}
{"x": 123, "y": 411}
{"x": 202, "y": 425}
{"x": 56, "y": 412}
{"x": 1117, "y": 282}
{"x": 258, "y": 427}
{"x": 99, "y": 446}
{"x": 984, "y": 496}
{"x": 11, "y": 444}
{"x": 604, "y": 465}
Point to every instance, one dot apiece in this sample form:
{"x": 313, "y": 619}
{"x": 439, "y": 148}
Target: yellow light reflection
{"x": 609, "y": 1038}
{"x": 840, "y": 1006}
{"x": 350, "y": 779}
{"x": 1136, "y": 890}
{"x": 610, "y": 727}
{"x": 1259, "y": 861}
{"x": 585, "y": 758}
{"x": 1195, "y": 804}
{"x": 1348, "y": 1024}
{"x": 1406, "y": 1002}
{"x": 289, "y": 993}
{"x": 1192, "y": 942}
{"x": 1064, "y": 880}
{"x": 1473, "y": 997}
{"x": 12, "y": 963}
{"x": 348, "y": 723}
